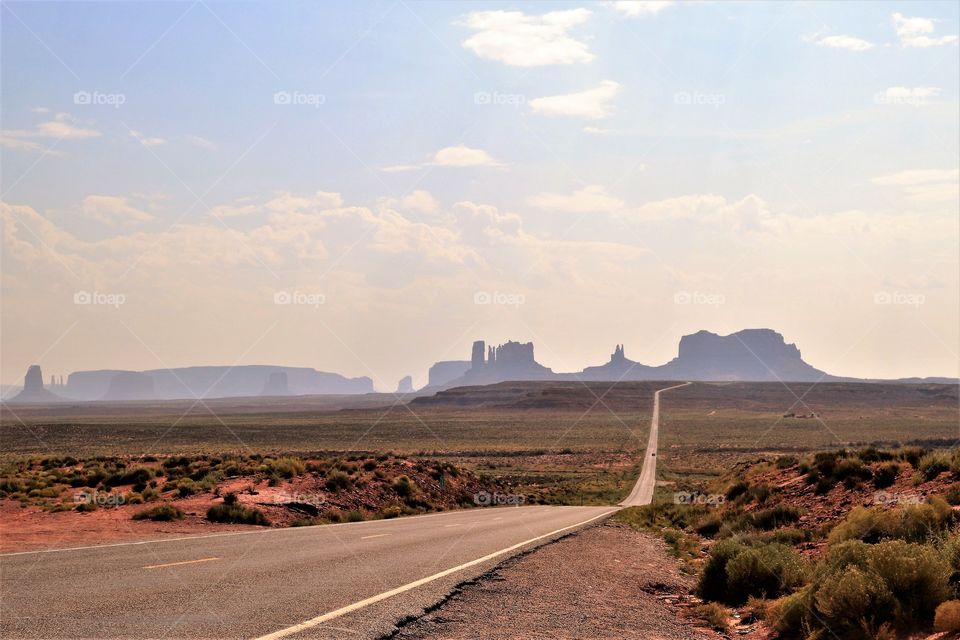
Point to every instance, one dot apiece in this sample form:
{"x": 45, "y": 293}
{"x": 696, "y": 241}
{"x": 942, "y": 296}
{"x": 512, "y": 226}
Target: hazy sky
{"x": 411, "y": 176}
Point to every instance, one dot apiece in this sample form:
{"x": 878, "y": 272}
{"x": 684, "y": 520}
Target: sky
{"x": 369, "y": 187}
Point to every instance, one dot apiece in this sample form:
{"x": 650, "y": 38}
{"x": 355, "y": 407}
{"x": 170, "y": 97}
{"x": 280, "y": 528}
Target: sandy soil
{"x": 606, "y": 582}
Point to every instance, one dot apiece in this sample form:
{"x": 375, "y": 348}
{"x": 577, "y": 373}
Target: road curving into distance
{"x": 327, "y": 581}
{"x": 643, "y": 491}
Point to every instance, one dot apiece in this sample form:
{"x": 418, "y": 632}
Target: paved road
{"x": 334, "y": 581}
{"x": 643, "y": 491}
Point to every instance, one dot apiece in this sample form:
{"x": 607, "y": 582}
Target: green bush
{"x": 850, "y": 601}
{"x": 768, "y": 570}
{"x": 933, "y": 464}
{"x": 713, "y": 614}
{"x": 337, "y": 480}
{"x": 236, "y": 514}
{"x": 773, "y": 517}
{"x": 914, "y": 523}
{"x": 162, "y": 512}
{"x": 885, "y": 475}
{"x": 712, "y": 585}
{"x": 403, "y": 487}
{"x": 917, "y": 577}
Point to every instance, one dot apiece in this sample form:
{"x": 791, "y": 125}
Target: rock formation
{"x": 277, "y": 384}
{"x": 446, "y": 370}
{"x": 130, "y": 385}
{"x": 33, "y": 389}
{"x": 405, "y": 385}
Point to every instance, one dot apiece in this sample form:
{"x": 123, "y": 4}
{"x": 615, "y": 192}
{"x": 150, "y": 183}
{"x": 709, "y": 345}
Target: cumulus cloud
{"x": 150, "y": 141}
{"x": 915, "y": 32}
{"x": 640, "y": 8}
{"x": 463, "y": 156}
{"x": 925, "y": 185}
{"x": 112, "y": 209}
{"x": 520, "y": 40}
{"x": 913, "y": 96}
{"x": 61, "y": 127}
{"x": 593, "y": 103}
{"x": 421, "y": 201}
{"x": 850, "y": 43}
{"x": 588, "y": 199}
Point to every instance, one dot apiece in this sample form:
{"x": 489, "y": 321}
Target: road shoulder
{"x": 608, "y": 581}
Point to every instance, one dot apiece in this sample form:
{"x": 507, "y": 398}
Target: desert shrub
{"x": 715, "y": 615}
{"x": 850, "y": 600}
{"x": 768, "y": 570}
{"x": 737, "y": 489}
{"x": 355, "y": 516}
{"x": 788, "y": 615}
{"x": 337, "y": 480}
{"x": 885, "y": 475}
{"x": 369, "y": 465}
{"x": 186, "y": 487}
{"x": 712, "y": 585}
{"x": 162, "y": 512}
{"x": 911, "y": 455}
{"x": 773, "y": 517}
{"x": 947, "y": 617}
{"x": 285, "y": 467}
{"x": 708, "y": 526}
{"x": 86, "y": 506}
{"x": 785, "y": 462}
{"x": 914, "y": 523}
{"x": 403, "y": 487}
{"x": 933, "y": 464}
{"x": 236, "y": 514}
{"x": 916, "y": 575}
{"x": 789, "y": 536}
{"x": 133, "y": 498}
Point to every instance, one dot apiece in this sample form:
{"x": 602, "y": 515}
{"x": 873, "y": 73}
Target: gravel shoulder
{"x": 608, "y": 581}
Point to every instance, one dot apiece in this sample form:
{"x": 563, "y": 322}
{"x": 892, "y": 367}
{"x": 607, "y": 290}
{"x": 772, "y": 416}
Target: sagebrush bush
{"x": 712, "y": 585}
{"x": 768, "y": 570}
{"x": 337, "y": 480}
{"x": 236, "y": 514}
{"x": 715, "y": 615}
{"x": 885, "y": 475}
{"x": 933, "y": 464}
{"x": 162, "y": 513}
{"x": 947, "y": 617}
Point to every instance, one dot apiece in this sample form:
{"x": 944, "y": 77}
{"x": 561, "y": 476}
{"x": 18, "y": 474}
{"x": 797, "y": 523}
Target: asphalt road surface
{"x": 332, "y": 581}
{"x": 643, "y": 491}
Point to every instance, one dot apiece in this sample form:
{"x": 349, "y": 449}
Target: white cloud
{"x": 464, "y": 156}
{"x": 592, "y": 103}
{"x": 588, "y": 199}
{"x": 112, "y": 209}
{"x": 599, "y": 131}
{"x": 637, "y": 8}
{"x": 914, "y": 96}
{"x": 289, "y": 203}
{"x": 201, "y": 142}
{"x": 517, "y": 39}
{"x": 399, "y": 168}
{"x": 234, "y": 210}
{"x": 925, "y": 185}
{"x": 61, "y": 127}
{"x": 850, "y": 43}
{"x": 150, "y": 141}
{"x": 420, "y": 200}
{"x": 915, "y": 32}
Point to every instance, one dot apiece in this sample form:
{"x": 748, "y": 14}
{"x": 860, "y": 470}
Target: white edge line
{"x": 247, "y": 533}
{"x": 313, "y": 622}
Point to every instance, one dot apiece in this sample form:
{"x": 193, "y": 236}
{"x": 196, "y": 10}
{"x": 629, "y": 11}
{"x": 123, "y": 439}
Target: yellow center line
{"x": 174, "y": 564}
{"x": 377, "y": 535}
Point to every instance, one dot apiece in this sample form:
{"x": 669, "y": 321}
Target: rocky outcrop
{"x": 405, "y": 385}
{"x": 130, "y": 385}
{"x": 217, "y": 382}
{"x": 508, "y": 361}
{"x": 33, "y": 389}
{"x": 277, "y": 384}
{"x": 446, "y": 371}
{"x": 618, "y": 368}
